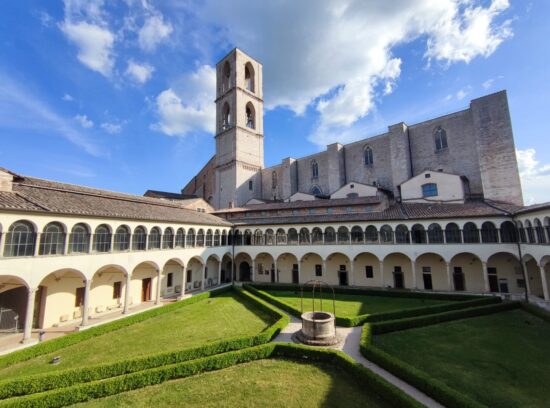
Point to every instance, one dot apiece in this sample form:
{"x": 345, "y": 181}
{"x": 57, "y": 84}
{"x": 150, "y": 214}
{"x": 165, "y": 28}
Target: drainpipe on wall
{"x": 233, "y": 270}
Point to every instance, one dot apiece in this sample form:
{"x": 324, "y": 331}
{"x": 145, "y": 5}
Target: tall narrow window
{"x": 20, "y": 239}
{"x": 79, "y": 239}
{"x": 274, "y": 179}
{"x": 250, "y": 116}
{"x": 226, "y": 116}
{"x": 226, "y": 77}
{"x": 102, "y": 239}
{"x": 168, "y": 238}
{"x": 154, "y": 238}
{"x": 122, "y": 239}
{"x": 249, "y": 77}
{"x": 367, "y": 155}
{"x": 314, "y": 169}
{"x": 440, "y": 137}
{"x": 139, "y": 239}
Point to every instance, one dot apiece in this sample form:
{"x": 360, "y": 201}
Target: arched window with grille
{"x": 435, "y": 234}
{"x": 281, "y": 237}
{"x": 367, "y": 156}
{"x": 330, "y": 235}
{"x": 357, "y": 235}
{"x": 418, "y": 234}
{"x": 209, "y": 238}
{"x": 541, "y": 237}
{"x": 429, "y": 190}
{"x": 139, "y": 239}
{"x": 508, "y": 232}
{"x": 102, "y": 239}
{"x": 452, "y": 234}
{"x": 470, "y": 233}
{"x": 154, "y": 238}
{"x": 314, "y": 169}
{"x": 52, "y": 240}
{"x": 305, "y": 238}
{"x": 292, "y": 236}
{"x": 269, "y": 237}
{"x": 20, "y": 240}
{"x": 317, "y": 236}
{"x": 258, "y": 237}
{"x": 121, "y": 241}
{"x": 371, "y": 234}
{"x": 386, "y": 234}
{"x": 402, "y": 234}
{"x": 489, "y": 232}
{"x": 440, "y": 139}
{"x": 190, "y": 238}
{"x": 217, "y": 238}
{"x": 168, "y": 238}
{"x": 200, "y": 238}
{"x": 343, "y": 235}
{"x": 79, "y": 239}
{"x": 180, "y": 238}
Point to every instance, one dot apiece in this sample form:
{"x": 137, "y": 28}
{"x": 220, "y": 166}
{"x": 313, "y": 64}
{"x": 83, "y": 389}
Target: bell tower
{"x": 239, "y": 130}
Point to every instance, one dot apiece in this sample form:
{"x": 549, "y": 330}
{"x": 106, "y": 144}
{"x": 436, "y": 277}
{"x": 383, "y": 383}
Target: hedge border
{"x": 73, "y": 338}
{"x": 433, "y": 387}
{"x": 27, "y": 385}
{"x": 116, "y": 385}
{"x": 259, "y": 290}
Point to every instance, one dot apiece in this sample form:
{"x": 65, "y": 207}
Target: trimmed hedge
{"x": 417, "y": 378}
{"x": 73, "y": 338}
{"x": 537, "y": 311}
{"x": 258, "y": 290}
{"x": 99, "y": 389}
{"x": 43, "y": 382}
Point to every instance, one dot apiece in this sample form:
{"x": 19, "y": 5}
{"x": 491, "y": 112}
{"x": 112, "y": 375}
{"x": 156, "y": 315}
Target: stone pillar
{"x": 37, "y": 243}
{"x": 381, "y": 274}
{"x": 324, "y": 267}
{"x": 449, "y": 277}
{"x": 27, "y": 330}
{"x": 485, "y": 277}
{"x": 276, "y": 271}
{"x": 220, "y": 272}
{"x": 203, "y": 279}
{"x": 299, "y": 271}
{"x": 85, "y": 305}
{"x": 544, "y": 283}
{"x": 527, "y": 284}
{"x": 253, "y": 274}
{"x": 157, "y": 297}
{"x": 351, "y": 273}
{"x": 126, "y": 294}
{"x": 413, "y": 270}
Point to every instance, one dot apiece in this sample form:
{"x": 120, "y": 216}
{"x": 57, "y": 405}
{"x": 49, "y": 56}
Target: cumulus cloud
{"x": 85, "y": 26}
{"x": 535, "y": 177}
{"x": 187, "y": 106}
{"x": 139, "y": 73}
{"x": 67, "y": 98}
{"x": 338, "y": 58}
{"x": 154, "y": 31}
{"x": 84, "y": 121}
{"x": 112, "y": 128}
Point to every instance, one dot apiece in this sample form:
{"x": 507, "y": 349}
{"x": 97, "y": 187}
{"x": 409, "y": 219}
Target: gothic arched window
{"x": 250, "y": 116}
{"x": 314, "y": 169}
{"x": 249, "y": 77}
{"x": 274, "y": 179}
{"x": 367, "y": 156}
{"x": 440, "y": 137}
{"x": 316, "y": 191}
{"x": 226, "y": 76}
{"x": 226, "y": 116}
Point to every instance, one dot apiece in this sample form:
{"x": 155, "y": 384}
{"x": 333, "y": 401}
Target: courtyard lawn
{"x": 500, "y": 359}
{"x": 263, "y": 383}
{"x": 206, "y": 321}
{"x": 348, "y": 305}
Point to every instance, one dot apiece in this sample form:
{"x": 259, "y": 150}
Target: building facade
{"x": 435, "y": 206}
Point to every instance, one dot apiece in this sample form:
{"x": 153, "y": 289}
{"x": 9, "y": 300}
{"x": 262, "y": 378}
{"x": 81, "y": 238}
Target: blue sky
{"x": 119, "y": 95}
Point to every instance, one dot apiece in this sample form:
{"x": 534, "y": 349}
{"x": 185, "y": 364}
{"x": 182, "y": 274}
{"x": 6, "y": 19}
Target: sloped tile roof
{"x": 32, "y": 194}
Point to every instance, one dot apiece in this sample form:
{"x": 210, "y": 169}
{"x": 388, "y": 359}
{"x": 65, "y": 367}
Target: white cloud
{"x": 187, "y": 106}
{"x": 487, "y": 84}
{"x": 461, "y": 94}
{"x": 67, "y": 98}
{"x": 140, "y": 73}
{"x": 154, "y": 32}
{"x": 95, "y": 45}
{"x": 338, "y": 57}
{"x": 535, "y": 177}
{"x": 86, "y": 26}
{"x": 112, "y": 128}
{"x": 84, "y": 121}
{"x": 45, "y": 19}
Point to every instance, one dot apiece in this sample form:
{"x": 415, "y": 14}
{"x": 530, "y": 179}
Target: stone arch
{"x": 212, "y": 267}
{"x": 343, "y": 236}
{"x": 508, "y": 232}
{"x": 264, "y": 267}
{"x": 386, "y": 234}
{"x": 317, "y": 236}
{"x": 269, "y": 237}
{"x": 418, "y": 234}
{"x": 452, "y": 234}
{"x": 304, "y": 236}
{"x": 14, "y": 292}
{"x": 505, "y": 273}
{"x": 292, "y": 235}
{"x": 431, "y": 271}
{"x": 52, "y": 239}
{"x": 467, "y": 273}
{"x": 339, "y": 269}
{"x": 489, "y": 233}
{"x": 172, "y": 277}
{"x": 107, "y": 290}
{"x": 397, "y": 271}
{"x": 243, "y": 264}
{"x": 258, "y": 237}
{"x": 63, "y": 298}
{"x": 227, "y": 268}
{"x": 330, "y": 235}
{"x": 226, "y": 116}
{"x": 250, "y": 119}
{"x": 435, "y": 233}
{"x": 311, "y": 267}
{"x": 249, "y": 77}
{"x": 371, "y": 234}
{"x": 367, "y": 269}
{"x": 470, "y": 233}
{"x": 357, "y": 236}
{"x": 288, "y": 268}
{"x": 281, "y": 236}
{"x": 402, "y": 234}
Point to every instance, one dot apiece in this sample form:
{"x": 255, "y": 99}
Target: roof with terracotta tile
{"x": 38, "y": 195}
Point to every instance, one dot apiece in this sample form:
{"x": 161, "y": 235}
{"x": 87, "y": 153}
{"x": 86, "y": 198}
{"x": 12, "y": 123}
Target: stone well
{"x": 318, "y": 329}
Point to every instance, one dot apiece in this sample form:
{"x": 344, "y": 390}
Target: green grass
{"x": 353, "y": 305}
{"x": 199, "y": 323}
{"x": 263, "y": 383}
{"x": 500, "y": 359}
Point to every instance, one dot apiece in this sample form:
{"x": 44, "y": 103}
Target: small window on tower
{"x": 440, "y": 137}
{"x": 429, "y": 190}
{"x": 250, "y": 185}
{"x": 250, "y": 119}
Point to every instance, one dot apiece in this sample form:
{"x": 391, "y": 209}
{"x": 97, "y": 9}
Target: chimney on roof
{"x": 6, "y": 180}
